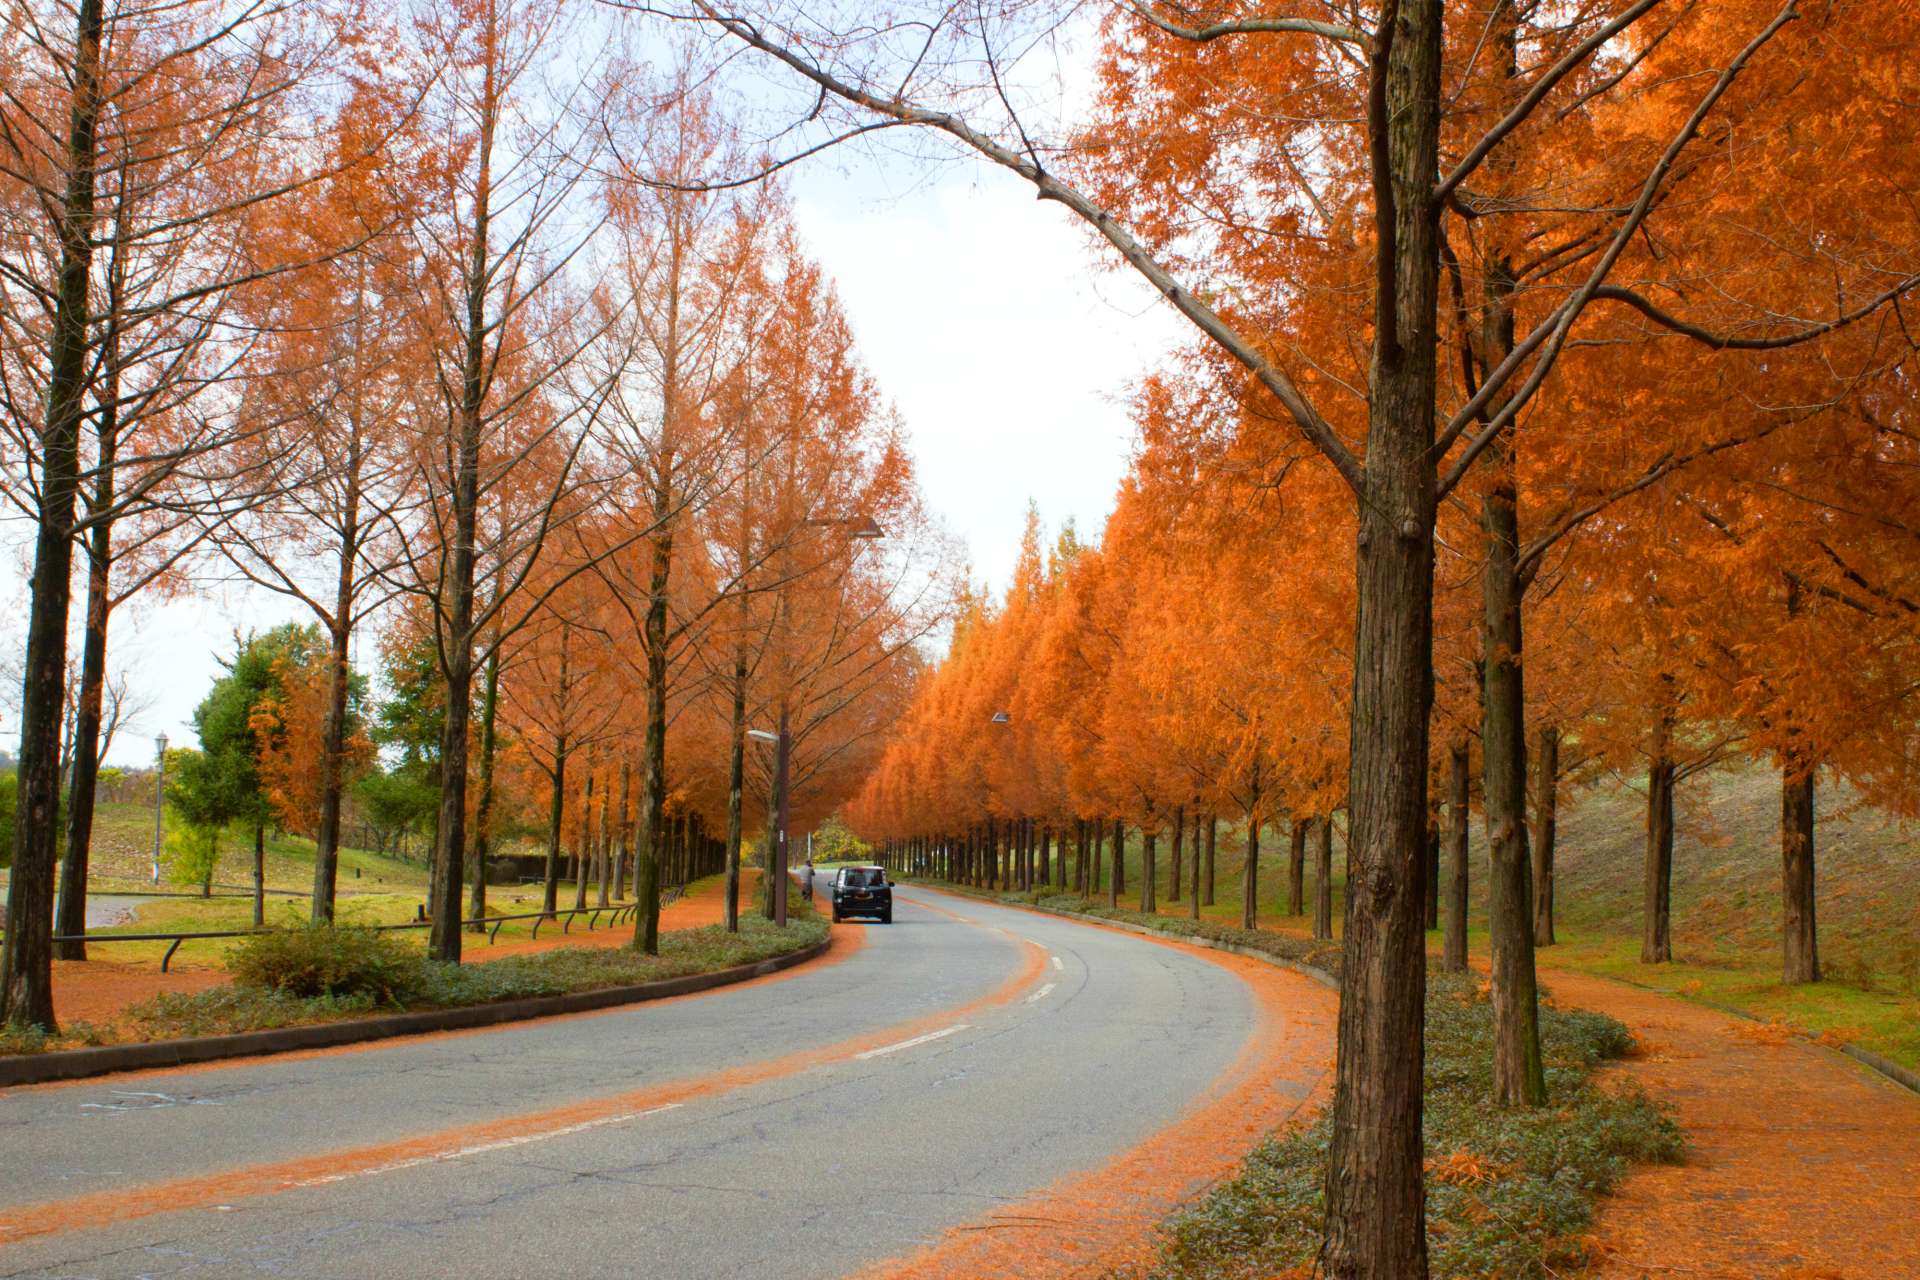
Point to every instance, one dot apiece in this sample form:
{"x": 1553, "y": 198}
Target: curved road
{"x": 808, "y": 1125}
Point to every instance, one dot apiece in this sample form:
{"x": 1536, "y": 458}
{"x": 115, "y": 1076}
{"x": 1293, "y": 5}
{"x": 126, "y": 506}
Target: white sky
{"x": 989, "y": 319}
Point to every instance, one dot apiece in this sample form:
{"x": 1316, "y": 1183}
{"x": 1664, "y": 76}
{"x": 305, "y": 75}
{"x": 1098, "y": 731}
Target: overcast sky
{"x": 990, "y": 320}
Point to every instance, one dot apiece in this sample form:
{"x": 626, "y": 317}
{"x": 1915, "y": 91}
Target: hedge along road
{"x": 811, "y": 1125}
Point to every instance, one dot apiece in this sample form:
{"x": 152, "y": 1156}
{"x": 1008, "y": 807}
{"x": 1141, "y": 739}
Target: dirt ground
{"x": 95, "y": 991}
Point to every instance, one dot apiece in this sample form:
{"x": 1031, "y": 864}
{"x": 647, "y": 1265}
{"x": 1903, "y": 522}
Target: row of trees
{"x": 1552, "y": 382}
{"x": 406, "y": 314}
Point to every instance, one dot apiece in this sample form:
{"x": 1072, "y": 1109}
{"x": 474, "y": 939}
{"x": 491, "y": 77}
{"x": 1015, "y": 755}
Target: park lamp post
{"x": 159, "y": 800}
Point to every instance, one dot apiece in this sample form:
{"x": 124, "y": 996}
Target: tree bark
{"x": 556, "y": 815}
{"x": 1149, "y": 900}
{"x": 483, "y": 811}
{"x": 1376, "y": 1206}
{"x": 1213, "y": 834}
{"x": 1546, "y": 805}
{"x": 1454, "y": 955}
{"x": 1323, "y": 878}
{"x": 1297, "y": 868}
{"x": 259, "y": 875}
{"x": 1656, "y": 942}
{"x": 1173, "y": 853}
{"x": 646, "y": 928}
{"x": 26, "y": 955}
{"x": 1250, "y": 874}
{"x": 1799, "y": 938}
{"x": 1193, "y": 898}
{"x": 1117, "y": 881}
{"x": 623, "y": 838}
{"x": 72, "y": 920}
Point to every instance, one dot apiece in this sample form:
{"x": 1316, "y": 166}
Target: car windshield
{"x": 863, "y": 877}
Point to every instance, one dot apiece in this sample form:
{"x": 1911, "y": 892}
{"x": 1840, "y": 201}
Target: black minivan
{"x": 862, "y": 891}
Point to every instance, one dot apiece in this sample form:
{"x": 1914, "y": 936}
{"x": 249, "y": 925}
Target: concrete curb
{"x": 73, "y": 1064}
{"x": 1317, "y": 974}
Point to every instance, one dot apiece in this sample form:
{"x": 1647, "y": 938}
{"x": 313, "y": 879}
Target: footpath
{"x": 97, "y": 991}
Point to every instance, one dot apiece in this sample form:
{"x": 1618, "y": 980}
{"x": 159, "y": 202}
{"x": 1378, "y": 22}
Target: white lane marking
{"x": 1040, "y": 995}
{"x": 908, "y": 1044}
{"x": 480, "y": 1148}
{"x": 1057, "y": 964}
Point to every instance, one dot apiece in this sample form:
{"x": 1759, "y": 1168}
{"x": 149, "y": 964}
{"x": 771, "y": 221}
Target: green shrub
{"x": 329, "y": 960}
{"x": 1510, "y": 1192}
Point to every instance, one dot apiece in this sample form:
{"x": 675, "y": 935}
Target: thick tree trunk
{"x": 1454, "y": 955}
{"x": 1193, "y": 898}
{"x": 1206, "y": 880}
{"x": 1546, "y": 805}
{"x": 1250, "y": 874}
{"x": 1297, "y": 868}
{"x": 72, "y": 919}
{"x": 483, "y": 811}
{"x": 26, "y": 955}
{"x": 259, "y": 875}
{"x": 1519, "y": 1077}
{"x": 1149, "y": 895}
{"x": 1656, "y": 941}
{"x": 1173, "y": 853}
{"x": 1323, "y": 878}
{"x": 646, "y": 928}
{"x": 556, "y": 815}
{"x": 600, "y": 847}
{"x": 1799, "y": 938}
{"x": 1117, "y": 879}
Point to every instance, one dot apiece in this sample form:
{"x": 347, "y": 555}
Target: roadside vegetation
{"x": 1510, "y": 1192}
{"x": 310, "y": 973}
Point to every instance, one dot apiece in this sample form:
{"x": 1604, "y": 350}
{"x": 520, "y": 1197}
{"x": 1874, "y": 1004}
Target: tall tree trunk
{"x": 1173, "y": 853}
{"x": 1117, "y": 879}
{"x": 1432, "y": 868}
{"x": 736, "y": 782}
{"x": 646, "y": 930}
{"x": 1519, "y": 1077}
{"x": 72, "y": 920}
{"x": 1149, "y": 902}
{"x": 1193, "y": 898}
{"x": 623, "y": 834}
{"x": 259, "y": 875}
{"x": 1454, "y": 956}
{"x": 333, "y": 746}
{"x": 26, "y": 955}
{"x": 1297, "y": 868}
{"x": 600, "y": 848}
{"x": 1206, "y": 884}
{"x": 1250, "y": 872}
{"x": 556, "y": 816}
{"x": 1656, "y": 942}
{"x": 1546, "y": 805}
{"x": 1799, "y": 938}
{"x": 483, "y": 811}
{"x": 1323, "y": 878}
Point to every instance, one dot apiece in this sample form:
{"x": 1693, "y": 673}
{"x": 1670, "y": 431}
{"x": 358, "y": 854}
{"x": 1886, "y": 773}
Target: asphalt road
{"x": 829, "y": 1144}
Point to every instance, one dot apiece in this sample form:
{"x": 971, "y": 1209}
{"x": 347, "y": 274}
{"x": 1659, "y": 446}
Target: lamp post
{"x": 159, "y": 801}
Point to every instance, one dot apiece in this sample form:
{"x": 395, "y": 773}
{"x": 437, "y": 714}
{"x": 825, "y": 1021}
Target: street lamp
{"x": 777, "y": 856}
{"x": 159, "y": 800}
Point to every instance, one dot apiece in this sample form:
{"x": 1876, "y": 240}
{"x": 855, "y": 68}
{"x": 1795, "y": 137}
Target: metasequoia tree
{"x": 181, "y": 109}
{"x": 496, "y": 326}
{"x": 1369, "y": 115}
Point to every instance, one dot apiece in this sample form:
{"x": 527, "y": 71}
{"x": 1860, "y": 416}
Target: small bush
{"x": 329, "y": 960}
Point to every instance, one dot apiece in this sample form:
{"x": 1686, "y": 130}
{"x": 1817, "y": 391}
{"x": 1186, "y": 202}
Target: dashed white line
{"x": 1057, "y": 964}
{"x": 1041, "y": 994}
{"x": 883, "y": 1050}
{"x": 480, "y": 1148}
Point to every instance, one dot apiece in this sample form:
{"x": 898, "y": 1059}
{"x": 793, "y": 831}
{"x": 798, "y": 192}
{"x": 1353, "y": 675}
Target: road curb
{"x": 74, "y": 1064}
{"x": 1322, "y": 976}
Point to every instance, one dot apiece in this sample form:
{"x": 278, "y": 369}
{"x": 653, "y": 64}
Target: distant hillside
{"x": 1726, "y": 876}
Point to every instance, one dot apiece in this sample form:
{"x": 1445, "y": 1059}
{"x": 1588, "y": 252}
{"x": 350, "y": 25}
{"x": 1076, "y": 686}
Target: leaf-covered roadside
{"x": 1510, "y": 1193}
{"x": 286, "y": 983}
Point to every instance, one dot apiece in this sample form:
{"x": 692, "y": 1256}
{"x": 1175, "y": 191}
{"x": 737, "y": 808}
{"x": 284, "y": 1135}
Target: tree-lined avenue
{"x": 705, "y": 1119}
